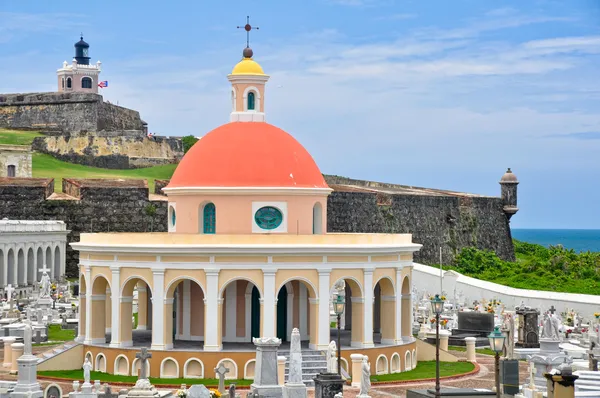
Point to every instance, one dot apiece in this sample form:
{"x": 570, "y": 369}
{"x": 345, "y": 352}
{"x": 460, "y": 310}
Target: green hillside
{"x": 13, "y": 137}
{"x": 537, "y": 267}
{"x": 45, "y": 166}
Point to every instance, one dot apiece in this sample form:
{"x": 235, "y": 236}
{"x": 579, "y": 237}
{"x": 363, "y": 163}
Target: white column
{"x": 398, "y": 334}
{"x": 88, "y": 306}
{"x": 269, "y": 300}
{"x": 187, "y": 312}
{"x": 368, "y": 308}
{"x": 290, "y": 315}
{"x": 26, "y": 257}
{"x": 158, "y": 309}
{"x": 248, "y": 315}
{"x": 303, "y": 312}
{"x": 115, "y": 302}
{"x": 211, "y": 306}
{"x": 323, "y": 313}
{"x": 5, "y": 262}
{"x": 80, "y": 336}
{"x": 231, "y": 312}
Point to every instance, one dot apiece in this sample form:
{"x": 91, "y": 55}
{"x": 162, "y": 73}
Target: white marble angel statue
{"x": 365, "y": 378}
{"x": 332, "y": 357}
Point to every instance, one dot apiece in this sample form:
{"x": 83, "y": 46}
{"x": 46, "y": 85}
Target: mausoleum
{"x": 247, "y": 255}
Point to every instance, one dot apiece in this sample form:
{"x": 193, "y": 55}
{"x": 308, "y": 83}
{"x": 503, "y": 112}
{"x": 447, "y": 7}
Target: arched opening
{"x": 133, "y": 312}
{"x": 49, "y": 260}
{"x": 11, "y": 170}
{"x": 57, "y": 265}
{"x": 406, "y": 311}
{"x": 395, "y": 363}
{"x": 317, "y": 219}
{"x": 39, "y": 259}
{"x": 69, "y": 84}
{"x": 86, "y": 82}
{"x": 99, "y": 311}
{"x": 100, "y": 363}
{"x": 122, "y": 366}
{"x": 82, "y": 307}
{"x": 184, "y": 313}
{"x": 407, "y": 362}
{"x": 250, "y": 369}
{"x": 381, "y": 365}
{"x": 21, "y": 268}
{"x": 172, "y": 217}
{"x": 294, "y": 310}
{"x": 11, "y": 267}
{"x": 2, "y": 265}
{"x": 251, "y": 101}
{"x": 240, "y": 312}
{"x": 209, "y": 219}
{"x": 384, "y": 312}
{"x": 193, "y": 369}
{"x": 30, "y": 267}
{"x": 353, "y": 330}
{"x": 169, "y": 368}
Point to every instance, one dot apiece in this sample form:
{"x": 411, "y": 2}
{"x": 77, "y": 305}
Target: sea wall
{"x": 65, "y": 112}
{"x": 112, "y": 152}
{"x": 446, "y": 222}
{"x": 85, "y": 206}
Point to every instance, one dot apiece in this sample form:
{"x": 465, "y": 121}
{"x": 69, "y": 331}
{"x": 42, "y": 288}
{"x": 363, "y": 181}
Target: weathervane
{"x": 248, "y": 28}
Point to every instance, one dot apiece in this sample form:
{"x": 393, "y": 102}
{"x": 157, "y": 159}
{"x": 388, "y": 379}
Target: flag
{"x": 103, "y": 84}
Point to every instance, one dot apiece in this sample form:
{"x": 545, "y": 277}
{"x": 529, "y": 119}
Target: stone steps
{"x": 313, "y": 363}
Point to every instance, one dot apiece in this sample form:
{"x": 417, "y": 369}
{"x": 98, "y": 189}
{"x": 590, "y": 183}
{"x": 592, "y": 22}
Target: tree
{"x": 188, "y": 141}
{"x": 150, "y": 211}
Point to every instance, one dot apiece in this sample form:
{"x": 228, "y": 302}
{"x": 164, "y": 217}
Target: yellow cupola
{"x": 247, "y": 66}
{"x": 247, "y": 90}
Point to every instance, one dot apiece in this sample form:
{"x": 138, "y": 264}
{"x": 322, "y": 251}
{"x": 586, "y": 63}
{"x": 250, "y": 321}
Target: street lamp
{"x": 496, "y": 344}
{"x": 338, "y": 307}
{"x": 437, "y": 306}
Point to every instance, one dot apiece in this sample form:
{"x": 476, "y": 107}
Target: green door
{"x": 282, "y": 314}
{"x": 255, "y": 314}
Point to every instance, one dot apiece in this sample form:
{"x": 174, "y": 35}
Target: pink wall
{"x": 234, "y": 213}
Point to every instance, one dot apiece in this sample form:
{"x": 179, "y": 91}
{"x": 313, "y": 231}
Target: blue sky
{"x": 428, "y": 93}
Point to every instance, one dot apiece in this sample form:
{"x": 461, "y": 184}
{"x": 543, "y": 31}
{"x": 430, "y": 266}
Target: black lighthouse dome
{"x": 82, "y": 52}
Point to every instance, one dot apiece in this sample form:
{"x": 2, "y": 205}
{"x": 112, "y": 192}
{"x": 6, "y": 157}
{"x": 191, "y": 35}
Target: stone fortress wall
{"x": 435, "y": 218}
{"x": 83, "y": 128}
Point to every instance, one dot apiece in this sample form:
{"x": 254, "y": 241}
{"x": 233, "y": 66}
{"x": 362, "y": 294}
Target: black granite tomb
{"x": 473, "y": 324}
{"x": 328, "y": 384}
{"x": 509, "y": 376}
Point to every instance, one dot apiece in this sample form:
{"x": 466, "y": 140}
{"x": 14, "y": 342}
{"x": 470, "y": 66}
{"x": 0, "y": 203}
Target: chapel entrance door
{"x": 255, "y": 314}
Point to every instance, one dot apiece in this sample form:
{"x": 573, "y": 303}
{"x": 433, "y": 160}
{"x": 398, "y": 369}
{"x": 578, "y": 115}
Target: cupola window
{"x": 209, "y": 218}
{"x": 69, "y": 82}
{"x": 251, "y": 101}
{"x": 173, "y": 216}
{"x": 63, "y": 82}
{"x": 86, "y": 82}
{"x": 268, "y": 217}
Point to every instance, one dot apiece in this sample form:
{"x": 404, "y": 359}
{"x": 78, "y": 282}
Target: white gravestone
{"x": 27, "y": 385}
{"x": 266, "y": 380}
{"x": 295, "y": 388}
{"x": 198, "y": 391}
{"x": 365, "y": 378}
{"x": 331, "y": 357}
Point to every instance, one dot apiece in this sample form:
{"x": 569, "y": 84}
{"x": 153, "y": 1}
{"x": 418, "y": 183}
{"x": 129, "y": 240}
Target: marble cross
{"x": 552, "y": 310}
{"x": 220, "y": 371}
{"x": 44, "y": 269}
{"x": 143, "y": 356}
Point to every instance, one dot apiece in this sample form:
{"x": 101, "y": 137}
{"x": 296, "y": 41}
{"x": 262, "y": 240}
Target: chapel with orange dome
{"x": 247, "y": 254}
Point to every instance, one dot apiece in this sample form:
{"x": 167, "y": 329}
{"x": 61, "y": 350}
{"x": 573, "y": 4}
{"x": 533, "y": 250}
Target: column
{"x": 231, "y": 312}
{"x": 290, "y": 315}
{"x": 303, "y": 311}
{"x": 398, "y": 328}
{"x": 115, "y": 302}
{"x": 212, "y": 320}
{"x": 125, "y": 328}
{"x": 26, "y": 266}
{"x": 368, "y": 308}
{"x": 158, "y": 309}
{"x": 186, "y": 313}
{"x": 5, "y": 262}
{"x": 268, "y": 315}
{"x": 88, "y": 306}
{"x": 322, "y": 317}
{"x": 168, "y": 323}
{"x": 81, "y": 311}
{"x": 142, "y": 306}
{"x": 406, "y": 318}
{"x": 108, "y": 308}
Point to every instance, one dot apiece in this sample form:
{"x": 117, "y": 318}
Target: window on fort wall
{"x": 11, "y": 171}
{"x": 86, "y": 82}
{"x": 69, "y": 85}
{"x": 210, "y": 218}
{"x": 251, "y": 101}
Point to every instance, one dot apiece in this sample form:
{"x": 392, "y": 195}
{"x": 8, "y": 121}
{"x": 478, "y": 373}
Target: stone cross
{"x": 531, "y": 376}
{"x": 552, "y": 310}
{"x": 220, "y": 371}
{"x": 44, "y": 269}
{"x": 143, "y": 356}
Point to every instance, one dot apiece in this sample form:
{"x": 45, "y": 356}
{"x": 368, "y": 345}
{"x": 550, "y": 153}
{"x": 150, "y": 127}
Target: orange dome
{"x": 248, "y": 154}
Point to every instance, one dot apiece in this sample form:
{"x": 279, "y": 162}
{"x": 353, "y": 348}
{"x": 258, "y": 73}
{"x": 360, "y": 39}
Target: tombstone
{"x": 143, "y": 356}
{"x": 53, "y": 390}
{"x": 471, "y": 324}
{"x": 509, "y": 376}
{"x": 295, "y": 388}
{"x": 143, "y": 387}
{"x": 198, "y": 391}
{"x": 328, "y": 385}
{"x": 27, "y": 385}
{"x": 221, "y": 371}
{"x": 266, "y": 380}
{"x": 529, "y": 328}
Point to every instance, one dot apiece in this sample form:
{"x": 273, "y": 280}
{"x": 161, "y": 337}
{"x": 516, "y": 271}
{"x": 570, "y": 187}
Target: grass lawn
{"x": 55, "y": 333}
{"x": 485, "y": 351}
{"x": 45, "y": 166}
{"x": 426, "y": 370}
{"x": 14, "y": 137}
{"x": 105, "y": 377}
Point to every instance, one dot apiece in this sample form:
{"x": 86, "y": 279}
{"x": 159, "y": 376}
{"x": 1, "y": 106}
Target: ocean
{"x": 580, "y": 240}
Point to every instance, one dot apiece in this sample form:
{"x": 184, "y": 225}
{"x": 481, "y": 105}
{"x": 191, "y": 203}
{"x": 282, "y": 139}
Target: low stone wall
{"x": 112, "y": 152}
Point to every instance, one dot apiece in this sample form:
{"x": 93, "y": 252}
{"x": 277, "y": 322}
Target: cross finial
{"x": 248, "y": 28}
{"x": 552, "y": 309}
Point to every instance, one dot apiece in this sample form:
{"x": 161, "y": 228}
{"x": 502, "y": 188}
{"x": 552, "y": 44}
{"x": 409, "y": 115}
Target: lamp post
{"x": 496, "y": 344}
{"x": 338, "y": 307}
{"x": 437, "y": 306}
